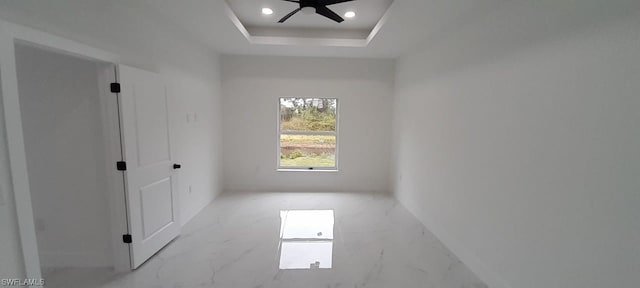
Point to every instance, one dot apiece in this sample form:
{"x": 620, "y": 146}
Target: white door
{"x": 150, "y": 175}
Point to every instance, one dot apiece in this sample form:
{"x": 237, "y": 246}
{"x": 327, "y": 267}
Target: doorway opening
{"x": 71, "y": 137}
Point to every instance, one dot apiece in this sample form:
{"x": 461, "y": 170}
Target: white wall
{"x": 251, "y": 88}
{"x": 523, "y": 155}
{"x": 65, "y": 146}
{"x": 10, "y": 251}
{"x": 196, "y": 127}
{"x": 190, "y": 69}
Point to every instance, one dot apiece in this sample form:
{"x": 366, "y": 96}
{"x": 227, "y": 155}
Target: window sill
{"x": 308, "y": 170}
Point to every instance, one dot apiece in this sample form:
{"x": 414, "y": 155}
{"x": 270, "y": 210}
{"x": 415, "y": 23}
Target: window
{"x": 308, "y": 133}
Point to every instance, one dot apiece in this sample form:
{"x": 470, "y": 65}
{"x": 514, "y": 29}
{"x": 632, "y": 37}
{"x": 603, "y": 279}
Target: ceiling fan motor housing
{"x": 308, "y": 6}
{"x": 308, "y": 3}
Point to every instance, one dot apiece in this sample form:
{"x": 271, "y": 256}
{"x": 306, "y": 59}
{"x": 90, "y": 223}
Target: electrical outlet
{"x": 3, "y": 189}
{"x": 190, "y": 189}
{"x": 40, "y": 226}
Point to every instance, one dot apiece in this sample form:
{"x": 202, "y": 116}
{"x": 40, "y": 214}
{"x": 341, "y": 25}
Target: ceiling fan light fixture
{"x": 350, "y": 14}
{"x": 267, "y": 11}
{"x": 308, "y": 10}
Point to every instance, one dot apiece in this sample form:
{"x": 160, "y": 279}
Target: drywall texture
{"x": 190, "y": 70}
{"x": 196, "y": 130}
{"x": 251, "y": 89}
{"x": 521, "y": 153}
{"x": 64, "y": 143}
{"x": 10, "y": 251}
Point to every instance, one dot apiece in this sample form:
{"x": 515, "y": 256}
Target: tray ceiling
{"x": 265, "y": 29}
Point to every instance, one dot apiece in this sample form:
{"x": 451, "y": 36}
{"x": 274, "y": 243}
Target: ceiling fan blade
{"x": 331, "y": 2}
{"x": 326, "y": 12}
{"x": 289, "y": 15}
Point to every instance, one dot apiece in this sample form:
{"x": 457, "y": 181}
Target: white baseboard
{"x": 57, "y": 259}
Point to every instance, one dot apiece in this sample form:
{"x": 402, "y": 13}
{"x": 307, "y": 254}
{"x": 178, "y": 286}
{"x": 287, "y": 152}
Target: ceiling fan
{"x": 320, "y": 7}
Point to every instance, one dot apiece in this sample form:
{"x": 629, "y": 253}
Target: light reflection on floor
{"x": 306, "y": 239}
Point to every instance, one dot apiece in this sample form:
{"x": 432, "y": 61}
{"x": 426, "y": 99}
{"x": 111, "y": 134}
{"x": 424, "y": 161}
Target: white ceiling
{"x": 411, "y": 25}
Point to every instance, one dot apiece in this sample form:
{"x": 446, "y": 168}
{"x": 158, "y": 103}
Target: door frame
{"x": 10, "y": 34}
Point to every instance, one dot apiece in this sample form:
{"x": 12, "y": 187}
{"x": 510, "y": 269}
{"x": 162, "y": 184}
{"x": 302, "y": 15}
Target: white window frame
{"x": 289, "y": 132}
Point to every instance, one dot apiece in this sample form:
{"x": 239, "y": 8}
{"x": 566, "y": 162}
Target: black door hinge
{"x": 121, "y": 166}
{"x": 115, "y": 87}
{"x": 126, "y": 238}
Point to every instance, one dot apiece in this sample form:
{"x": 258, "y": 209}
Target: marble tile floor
{"x": 272, "y": 240}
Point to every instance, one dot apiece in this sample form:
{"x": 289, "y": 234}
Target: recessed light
{"x": 267, "y": 11}
{"x": 350, "y": 14}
